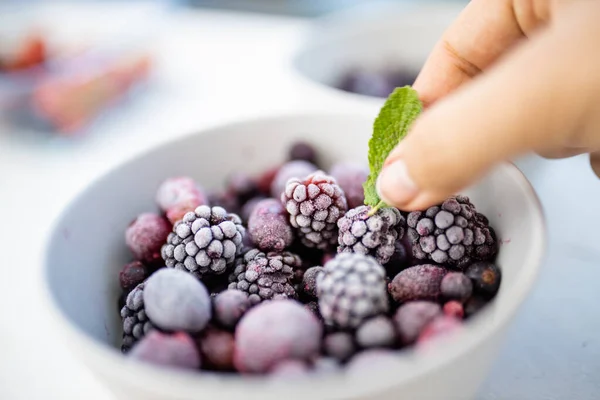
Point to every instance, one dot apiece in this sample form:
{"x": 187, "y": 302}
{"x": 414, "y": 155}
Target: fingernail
{"x": 394, "y": 185}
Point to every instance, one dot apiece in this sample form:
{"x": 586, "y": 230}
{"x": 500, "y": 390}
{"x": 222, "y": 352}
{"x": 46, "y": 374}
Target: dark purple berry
{"x": 452, "y": 233}
{"x": 146, "y": 235}
{"x": 131, "y": 275}
{"x": 376, "y": 332}
{"x": 265, "y": 181}
{"x": 486, "y": 278}
{"x": 217, "y": 349}
{"x": 229, "y": 306}
{"x": 292, "y": 170}
{"x": 421, "y": 282}
{"x": 303, "y": 151}
{"x": 315, "y": 203}
{"x": 226, "y": 200}
{"x": 176, "y": 301}
{"x": 273, "y": 332}
{"x": 411, "y": 318}
{"x": 309, "y": 281}
{"x": 313, "y": 307}
{"x": 456, "y": 286}
{"x": 172, "y": 350}
{"x": 351, "y": 176}
{"x": 400, "y": 260}
{"x": 339, "y": 345}
{"x": 474, "y": 305}
{"x": 351, "y": 288}
{"x": 269, "y": 227}
{"x": 375, "y": 235}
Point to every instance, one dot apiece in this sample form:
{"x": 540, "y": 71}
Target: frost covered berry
{"x": 456, "y": 286}
{"x": 303, "y": 151}
{"x": 145, "y": 236}
{"x": 339, "y": 345}
{"x": 309, "y": 281}
{"x": 249, "y": 206}
{"x": 375, "y": 235}
{"x": 205, "y": 242}
{"x": 217, "y": 348}
{"x": 269, "y": 227}
{"x": 132, "y": 275}
{"x": 452, "y": 233}
{"x": 177, "y": 301}
{"x": 455, "y": 309}
{"x": 421, "y": 282}
{"x": 440, "y": 326}
{"x": 294, "y": 169}
{"x": 171, "y": 350}
{"x": 179, "y": 195}
{"x": 486, "y": 278}
{"x": 351, "y": 288}
{"x": 351, "y": 176}
{"x": 412, "y": 317}
{"x": 229, "y": 306}
{"x": 273, "y": 332}
{"x": 265, "y": 276}
{"x": 376, "y": 332}
{"x": 136, "y": 323}
{"x": 315, "y": 203}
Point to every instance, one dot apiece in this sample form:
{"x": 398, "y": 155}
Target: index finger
{"x": 482, "y": 32}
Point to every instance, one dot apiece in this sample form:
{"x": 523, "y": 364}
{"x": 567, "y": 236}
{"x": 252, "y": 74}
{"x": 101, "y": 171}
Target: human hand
{"x": 490, "y": 96}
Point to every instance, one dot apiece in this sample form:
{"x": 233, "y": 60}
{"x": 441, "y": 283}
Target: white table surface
{"x": 214, "y": 67}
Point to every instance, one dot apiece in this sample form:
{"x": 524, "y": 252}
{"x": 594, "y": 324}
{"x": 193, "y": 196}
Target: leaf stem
{"x": 377, "y": 207}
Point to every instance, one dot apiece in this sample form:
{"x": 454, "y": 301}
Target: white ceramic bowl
{"x": 86, "y": 250}
{"x": 373, "y": 37}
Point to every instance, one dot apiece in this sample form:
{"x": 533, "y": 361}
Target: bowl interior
{"x": 86, "y": 248}
{"x": 384, "y": 40}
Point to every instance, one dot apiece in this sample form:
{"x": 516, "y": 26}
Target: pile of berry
{"x": 289, "y": 273}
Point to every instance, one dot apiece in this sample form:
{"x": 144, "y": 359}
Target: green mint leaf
{"x": 401, "y": 108}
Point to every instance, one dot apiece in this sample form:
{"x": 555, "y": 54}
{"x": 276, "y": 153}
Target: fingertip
{"x": 395, "y": 185}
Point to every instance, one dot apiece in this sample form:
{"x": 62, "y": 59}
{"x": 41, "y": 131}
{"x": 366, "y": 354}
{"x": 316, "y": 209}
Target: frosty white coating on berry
{"x": 350, "y": 289}
{"x": 315, "y": 204}
{"x": 204, "y": 242}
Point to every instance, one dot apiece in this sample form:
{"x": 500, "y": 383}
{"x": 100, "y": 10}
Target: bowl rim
{"x": 416, "y": 365}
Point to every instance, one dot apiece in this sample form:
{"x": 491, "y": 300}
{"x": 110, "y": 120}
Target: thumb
{"x": 536, "y": 99}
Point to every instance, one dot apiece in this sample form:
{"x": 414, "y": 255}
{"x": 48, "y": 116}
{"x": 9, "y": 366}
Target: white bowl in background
{"x": 86, "y": 250}
{"x": 371, "y": 37}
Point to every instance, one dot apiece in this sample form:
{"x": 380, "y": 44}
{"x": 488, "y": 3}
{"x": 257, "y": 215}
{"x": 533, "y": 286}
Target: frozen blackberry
{"x": 313, "y": 307}
{"x": 269, "y": 227}
{"x": 265, "y": 276}
{"x": 136, "y": 323}
{"x": 315, "y": 203}
{"x": 486, "y": 278}
{"x": 351, "y": 176}
{"x": 205, "y": 242}
{"x": 293, "y": 169}
{"x": 452, "y": 233}
{"x": 350, "y": 289}
{"x": 375, "y": 235}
